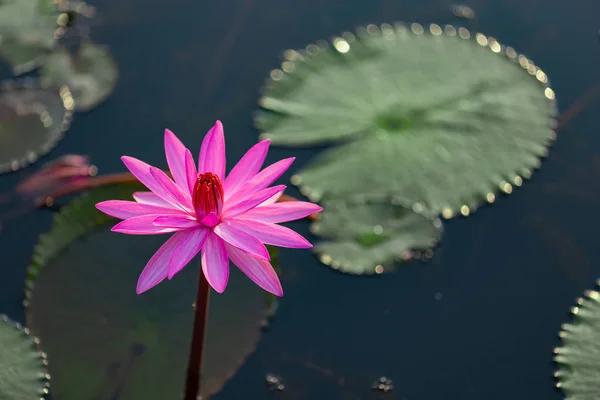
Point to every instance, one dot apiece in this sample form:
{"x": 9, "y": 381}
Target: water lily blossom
{"x": 224, "y": 217}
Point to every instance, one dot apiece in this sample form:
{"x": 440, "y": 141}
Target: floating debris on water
{"x": 462, "y": 11}
{"x": 274, "y": 382}
{"x": 383, "y": 384}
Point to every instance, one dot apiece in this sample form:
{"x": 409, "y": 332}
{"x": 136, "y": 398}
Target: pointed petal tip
{"x": 219, "y": 288}
{"x": 143, "y": 287}
{"x": 276, "y": 290}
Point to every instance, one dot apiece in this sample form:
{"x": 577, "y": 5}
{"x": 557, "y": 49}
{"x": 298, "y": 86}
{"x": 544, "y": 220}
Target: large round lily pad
{"x": 579, "y": 356}
{"x": 440, "y": 116}
{"x": 370, "y": 237}
{"x": 91, "y": 74}
{"x": 108, "y": 341}
{"x": 23, "y": 373}
{"x": 28, "y": 31}
{"x": 32, "y": 120}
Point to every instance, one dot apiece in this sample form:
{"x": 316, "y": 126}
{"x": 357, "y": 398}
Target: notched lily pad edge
{"x": 559, "y": 352}
{"x": 68, "y": 104}
{"x": 379, "y": 269}
{"x": 41, "y": 257}
{"x": 45, "y": 378}
{"x": 96, "y": 221}
{"x": 340, "y": 44}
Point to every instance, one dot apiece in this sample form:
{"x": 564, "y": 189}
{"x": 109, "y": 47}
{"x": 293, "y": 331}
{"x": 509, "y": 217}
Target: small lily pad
{"x": 32, "y": 120}
{"x": 23, "y": 373}
{"x": 579, "y": 356}
{"x": 91, "y": 74}
{"x": 28, "y": 31}
{"x": 437, "y": 115}
{"x": 369, "y": 237}
{"x": 105, "y": 339}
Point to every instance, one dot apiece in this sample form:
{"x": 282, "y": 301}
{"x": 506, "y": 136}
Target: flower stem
{"x": 194, "y": 370}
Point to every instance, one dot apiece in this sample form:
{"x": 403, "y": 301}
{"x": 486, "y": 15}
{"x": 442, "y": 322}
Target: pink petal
{"x": 271, "y": 200}
{"x": 281, "y": 212}
{"x": 170, "y": 191}
{"x": 259, "y": 271}
{"x": 156, "y": 269}
{"x": 272, "y": 234}
{"x": 212, "y": 152}
{"x": 265, "y": 177}
{"x": 187, "y": 249}
{"x": 241, "y": 240}
{"x": 141, "y": 171}
{"x": 190, "y": 171}
{"x": 143, "y": 225}
{"x": 215, "y": 265}
{"x": 210, "y": 220}
{"x": 150, "y": 199}
{"x": 181, "y": 221}
{"x": 175, "y": 152}
{"x": 237, "y": 206}
{"x": 246, "y": 168}
{"x": 128, "y": 209}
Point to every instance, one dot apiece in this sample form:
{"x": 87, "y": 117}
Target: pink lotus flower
{"x": 227, "y": 218}
{"x": 55, "y": 176}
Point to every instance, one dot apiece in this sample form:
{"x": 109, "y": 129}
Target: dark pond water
{"x": 477, "y": 322}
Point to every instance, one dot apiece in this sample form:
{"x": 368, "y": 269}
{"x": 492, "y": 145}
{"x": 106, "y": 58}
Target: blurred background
{"x": 477, "y": 321}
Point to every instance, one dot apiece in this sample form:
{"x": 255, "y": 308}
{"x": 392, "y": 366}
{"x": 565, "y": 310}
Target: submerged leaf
{"x": 579, "y": 356}
{"x": 22, "y": 366}
{"x": 440, "y": 120}
{"x": 132, "y": 345}
{"x": 27, "y": 32}
{"x": 32, "y": 120}
{"x": 366, "y": 236}
{"x": 91, "y": 74}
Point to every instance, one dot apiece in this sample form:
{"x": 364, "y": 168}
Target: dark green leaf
{"x": 23, "y": 373}
{"x": 442, "y": 121}
{"x": 365, "y": 237}
{"x": 105, "y": 339}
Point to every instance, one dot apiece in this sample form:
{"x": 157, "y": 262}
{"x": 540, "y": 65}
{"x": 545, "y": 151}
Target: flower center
{"x": 208, "y": 195}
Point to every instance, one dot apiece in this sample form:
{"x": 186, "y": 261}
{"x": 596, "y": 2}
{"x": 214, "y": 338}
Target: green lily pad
{"x": 441, "y": 117}
{"x": 23, "y": 373}
{"x": 108, "y": 341}
{"x": 579, "y": 356}
{"x": 28, "y": 31}
{"x": 91, "y": 74}
{"x": 32, "y": 121}
{"x": 370, "y": 237}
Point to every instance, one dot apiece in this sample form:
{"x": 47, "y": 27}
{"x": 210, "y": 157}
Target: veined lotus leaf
{"x": 579, "y": 356}
{"x": 91, "y": 74}
{"x": 28, "y": 30}
{"x": 443, "y": 118}
{"x": 32, "y": 120}
{"x": 367, "y": 237}
{"x": 105, "y": 339}
{"x": 23, "y": 373}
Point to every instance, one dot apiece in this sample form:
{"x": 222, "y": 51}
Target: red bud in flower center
{"x": 208, "y": 195}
